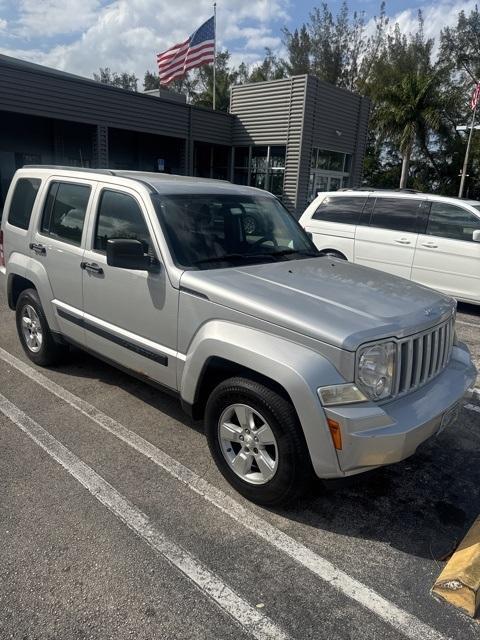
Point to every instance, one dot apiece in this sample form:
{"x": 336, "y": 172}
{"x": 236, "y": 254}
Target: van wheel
{"x": 256, "y": 441}
{"x": 34, "y": 333}
{"x": 330, "y": 253}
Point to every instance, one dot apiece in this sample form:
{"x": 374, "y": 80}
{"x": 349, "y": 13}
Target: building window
{"x": 260, "y": 166}
{"x": 329, "y": 171}
{"x": 211, "y": 161}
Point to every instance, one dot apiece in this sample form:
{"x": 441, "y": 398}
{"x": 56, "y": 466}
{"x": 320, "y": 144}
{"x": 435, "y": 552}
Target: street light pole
{"x": 467, "y": 153}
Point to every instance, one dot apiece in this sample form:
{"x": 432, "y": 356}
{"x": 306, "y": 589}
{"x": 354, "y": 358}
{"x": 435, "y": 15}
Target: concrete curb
{"x": 459, "y": 582}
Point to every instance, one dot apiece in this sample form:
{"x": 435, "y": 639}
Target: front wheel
{"x": 257, "y": 443}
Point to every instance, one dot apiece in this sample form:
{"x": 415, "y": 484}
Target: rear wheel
{"x": 34, "y": 333}
{"x": 256, "y": 440}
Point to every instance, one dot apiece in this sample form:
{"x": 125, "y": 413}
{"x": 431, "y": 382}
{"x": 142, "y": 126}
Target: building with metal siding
{"x": 267, "y": 139}
{"x": 323, "y": 129}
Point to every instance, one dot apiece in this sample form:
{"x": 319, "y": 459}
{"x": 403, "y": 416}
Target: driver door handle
{"x": 91, "y": 267}
{"x": 430, "y": 245}
{"x": 403, "y": 241}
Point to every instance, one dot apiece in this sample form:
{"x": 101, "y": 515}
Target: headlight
{"x": 375, "y": 370}
{"x": 340, "y": 394}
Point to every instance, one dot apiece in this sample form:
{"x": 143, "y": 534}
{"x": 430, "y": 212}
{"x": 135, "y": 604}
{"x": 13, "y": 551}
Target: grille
{"x": 423, "y": 356}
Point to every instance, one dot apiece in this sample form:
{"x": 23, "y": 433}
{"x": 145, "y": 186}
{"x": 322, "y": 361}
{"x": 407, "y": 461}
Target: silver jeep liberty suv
{"x": 298, "y": 364}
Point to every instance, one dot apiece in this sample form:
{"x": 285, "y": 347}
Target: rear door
{"x": 387, "y": 235}
{"x": 57, "y": 244}
{"x": 446, "y": 257}
{"x": 333, "y": 223}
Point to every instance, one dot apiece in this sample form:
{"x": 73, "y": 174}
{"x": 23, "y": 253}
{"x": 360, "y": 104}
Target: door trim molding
{"x": 132, "y": 342}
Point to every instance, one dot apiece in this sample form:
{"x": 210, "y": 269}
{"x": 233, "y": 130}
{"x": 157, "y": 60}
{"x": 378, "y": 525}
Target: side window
{"x": 22, "y": 202}
{"x": 346, "y": 210}
{"x": 449, "y": 221}
{"x": 64, "y": 211}
{"x": 399, "y": 214}
{"x": 119, "y": 217}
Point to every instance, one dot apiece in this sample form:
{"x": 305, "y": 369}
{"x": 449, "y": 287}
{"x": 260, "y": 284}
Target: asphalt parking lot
{"x": 115, "y": 523}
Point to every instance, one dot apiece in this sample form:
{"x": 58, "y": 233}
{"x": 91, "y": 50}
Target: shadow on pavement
{"x": 421, "y": 506}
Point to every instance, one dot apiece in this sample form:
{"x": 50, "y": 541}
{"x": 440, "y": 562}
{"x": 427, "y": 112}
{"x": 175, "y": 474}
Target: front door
{"x": 446, "y": 257}
{"x": 387, "y": 235}
{"x": 57, "y": 244}
{"x": 130, "y": 316}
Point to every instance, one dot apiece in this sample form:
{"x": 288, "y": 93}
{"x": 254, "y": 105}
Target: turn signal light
{"x": 336, "y": 433}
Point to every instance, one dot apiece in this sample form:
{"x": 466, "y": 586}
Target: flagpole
{"x": 467, "y": 153}
{"x": 214, "y": 53}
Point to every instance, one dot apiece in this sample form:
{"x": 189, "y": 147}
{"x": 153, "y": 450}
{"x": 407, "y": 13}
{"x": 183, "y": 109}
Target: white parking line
{"x": 407, "y": 624}
{"x": 252, "y": 621}
{"x": 468, "y": 324}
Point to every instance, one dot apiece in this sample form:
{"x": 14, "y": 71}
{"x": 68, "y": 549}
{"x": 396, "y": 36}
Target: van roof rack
{"x": 404, "y": 190}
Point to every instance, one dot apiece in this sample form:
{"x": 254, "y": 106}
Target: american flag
{"x": 475, "y": 96}
{"x": 197, "y": 50}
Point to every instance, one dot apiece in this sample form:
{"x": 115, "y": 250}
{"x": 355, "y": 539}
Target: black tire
{"x": 294, "y": 473}
{"x": 331, "y": 253}
{"x": 50, "y": 351}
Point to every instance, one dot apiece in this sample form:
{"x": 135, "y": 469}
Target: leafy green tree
{"x": 461, "y": 44}
{"x": 272, "y": 68}
{"x": 202, "y": 93}
{"x": 151, "y": 81}
{"x": 123, "y": 80}
{"x": 299, "y": 48}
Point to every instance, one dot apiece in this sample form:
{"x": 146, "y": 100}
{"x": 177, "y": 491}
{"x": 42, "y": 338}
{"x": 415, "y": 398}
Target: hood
{"x": 330, "y": 300}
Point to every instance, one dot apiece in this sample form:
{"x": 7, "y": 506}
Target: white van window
{"x": 448, "y": 221}
{"x": 22, "y": 203}
{"x": 400, "y": 214}
{"x": 344, "y": 209}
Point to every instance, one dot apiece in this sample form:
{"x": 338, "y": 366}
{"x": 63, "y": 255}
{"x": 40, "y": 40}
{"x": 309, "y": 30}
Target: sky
{"x": 79, "y": 36}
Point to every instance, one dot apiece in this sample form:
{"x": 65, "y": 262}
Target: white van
{"x": 430, "y": 239}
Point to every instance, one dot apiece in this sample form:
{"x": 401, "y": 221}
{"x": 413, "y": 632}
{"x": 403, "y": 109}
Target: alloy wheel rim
{"x": 248, "y": 444}
{"x": 31, "y": 329}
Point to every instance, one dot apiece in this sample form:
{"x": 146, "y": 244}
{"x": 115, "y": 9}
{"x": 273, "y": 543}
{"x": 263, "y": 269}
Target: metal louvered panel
{"x": 422, "y": 357}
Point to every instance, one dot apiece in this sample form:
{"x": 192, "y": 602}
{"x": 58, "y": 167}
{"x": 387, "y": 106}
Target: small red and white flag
{"x": 475, "y": 96}
{"x": 197, "y": 50}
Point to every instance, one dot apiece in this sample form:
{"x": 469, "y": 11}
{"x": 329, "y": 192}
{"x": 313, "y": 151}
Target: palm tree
{"x": 409, "y": 108}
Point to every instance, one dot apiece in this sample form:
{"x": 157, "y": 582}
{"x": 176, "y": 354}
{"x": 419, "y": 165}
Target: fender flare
{"x": 298, "y": 369}
{"x": 32, "y": 270}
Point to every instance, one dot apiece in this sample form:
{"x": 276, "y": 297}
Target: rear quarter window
{"x": 346, "y": 210}
{"x": 22, "y": 202}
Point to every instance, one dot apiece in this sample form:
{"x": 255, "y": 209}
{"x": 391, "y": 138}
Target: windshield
{"x": 215, "y": 231}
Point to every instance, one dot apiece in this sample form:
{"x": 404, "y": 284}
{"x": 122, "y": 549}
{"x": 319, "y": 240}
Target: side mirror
{"x": 129, "y": 254}
{"x": 476, "y": 235}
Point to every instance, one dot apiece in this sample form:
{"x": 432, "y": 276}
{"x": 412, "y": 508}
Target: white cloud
{"x": 125, "y": 35}
{"x": 3, "y": 24}
{"x": 53, "y": 17}
{"x": 436, "y": 16}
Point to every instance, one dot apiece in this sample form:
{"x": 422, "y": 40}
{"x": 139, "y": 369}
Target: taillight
{"x": 2, "y": 255}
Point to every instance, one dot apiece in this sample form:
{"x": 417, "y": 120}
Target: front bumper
{"x": 374, "y": 435}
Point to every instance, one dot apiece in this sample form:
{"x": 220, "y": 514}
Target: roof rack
{"x": 107, "y": 172}
{"x": 379, "y": 189}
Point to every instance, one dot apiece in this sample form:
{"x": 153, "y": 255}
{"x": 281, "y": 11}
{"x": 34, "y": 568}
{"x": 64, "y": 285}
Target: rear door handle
{"x": 38, "y": 248}
{"x": 430, "y": 245}
{"x": 92, "y": 267}
{"x": 403, "y": 241}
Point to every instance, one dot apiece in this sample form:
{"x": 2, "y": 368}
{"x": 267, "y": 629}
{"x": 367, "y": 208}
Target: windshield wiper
{"x": 301, "y": 252}
{"x": 235, "y": 256}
